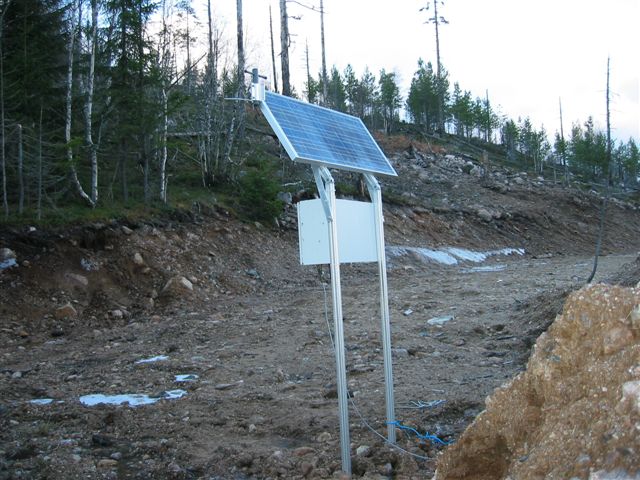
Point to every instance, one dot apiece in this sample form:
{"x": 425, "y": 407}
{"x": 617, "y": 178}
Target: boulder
{"x": 66, "y": 311}
{"x": 177, "y": 286}
{"x": 7, "y": 254}
{"x": 137, "y": 259}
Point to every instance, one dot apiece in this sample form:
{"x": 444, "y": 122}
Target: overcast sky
{"x": 527, "y": 54}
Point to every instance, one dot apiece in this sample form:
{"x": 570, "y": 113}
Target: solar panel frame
{"x": 320, "y": 136}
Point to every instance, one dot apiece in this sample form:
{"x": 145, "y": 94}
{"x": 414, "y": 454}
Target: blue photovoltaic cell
{"x": 318, "y": 135}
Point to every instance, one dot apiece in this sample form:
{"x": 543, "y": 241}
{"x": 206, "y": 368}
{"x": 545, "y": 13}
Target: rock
{"x": 253, "y": 273}
{"x": 306, "y": 468}
{"x": 631, "y": 394}
{"x": 126, "y": 230}
{"x": 616, "y": 339}
{"x": 6, "y": 254}
{"x": 399, "y": 352}
{"x": 77, "y": 280}
{"x": 324, "y": 437}
{"x": 285, "y": 197}
{"x": 302, "y": 451}
{"x": 138, "y": 260}
{"x": 227, "y": 386}
{"x": 101, "y": 440}
{"x": 66, "y": 311}
{"x": 484, "y": 214}
{"x": 407, "y": 312}
{"x": 118, "y": 314}
{"x": 340, "y": 475}
{"x": 175, "y": 470}
{"x": 518, "y": 181}
{"x": 107, "y": 463}
{"x": 16, "y": 375}
{"x": 386, "y": 469}
{"x": 7, "y": 258}
{"x": 363, "y": 451}
{"x": 177, "y": 286}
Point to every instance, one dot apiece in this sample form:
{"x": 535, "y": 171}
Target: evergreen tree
{"x": 389, "y": 99}
{"x": 133, "y": 75}
{"x": 422, "y": 101}
{"x": 336, "y": 91}
{"x": 351, "y": 88}
{"x": 510, "y": 134}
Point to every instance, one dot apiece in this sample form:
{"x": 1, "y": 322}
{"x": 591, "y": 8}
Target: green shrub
{"x": 258, "y": 193}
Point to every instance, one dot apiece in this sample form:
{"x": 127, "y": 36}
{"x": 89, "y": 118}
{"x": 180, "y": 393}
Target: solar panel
{"x": 318, "y": 135}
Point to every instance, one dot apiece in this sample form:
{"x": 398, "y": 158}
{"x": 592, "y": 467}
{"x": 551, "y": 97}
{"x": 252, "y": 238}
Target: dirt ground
{"x": 226, "y": 304}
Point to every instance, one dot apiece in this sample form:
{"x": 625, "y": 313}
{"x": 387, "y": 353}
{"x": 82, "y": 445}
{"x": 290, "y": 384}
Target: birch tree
{"x": 73, "y": 32}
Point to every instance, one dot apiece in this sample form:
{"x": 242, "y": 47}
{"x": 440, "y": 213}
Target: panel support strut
{"x": 376, "y": 197}
{"x": 327, "y": 190}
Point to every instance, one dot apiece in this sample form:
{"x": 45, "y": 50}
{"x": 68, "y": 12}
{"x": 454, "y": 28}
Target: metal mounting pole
{"x": 326, "y": 188}
{"x": 376, "y": 197}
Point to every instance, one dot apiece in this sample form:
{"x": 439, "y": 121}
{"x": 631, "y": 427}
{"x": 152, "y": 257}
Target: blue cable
{"x": 426, "y": 437}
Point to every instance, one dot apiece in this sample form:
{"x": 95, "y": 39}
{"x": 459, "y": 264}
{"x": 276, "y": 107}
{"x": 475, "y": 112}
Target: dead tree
{"x": 284, "y": 46}
{"x": 273, "y": 54}
{"x": 605, "y": 200}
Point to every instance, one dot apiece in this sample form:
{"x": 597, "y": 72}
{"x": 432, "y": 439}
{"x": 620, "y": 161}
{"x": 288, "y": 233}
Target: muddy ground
{"x": 252, "y": 337}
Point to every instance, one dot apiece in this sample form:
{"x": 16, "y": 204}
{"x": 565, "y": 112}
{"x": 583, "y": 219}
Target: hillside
{"x": 214, "y": 320}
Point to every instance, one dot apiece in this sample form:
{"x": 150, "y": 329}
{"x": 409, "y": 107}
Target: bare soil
{"x": 254, "y": 331}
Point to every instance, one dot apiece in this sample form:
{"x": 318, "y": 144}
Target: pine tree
{"x": 389, "y": 100}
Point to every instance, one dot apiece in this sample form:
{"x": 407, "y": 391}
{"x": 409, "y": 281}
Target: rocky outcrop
{"x": 575, "y": 411}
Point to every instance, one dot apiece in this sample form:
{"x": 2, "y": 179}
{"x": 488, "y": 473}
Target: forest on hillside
{"x": 107, "y": 102}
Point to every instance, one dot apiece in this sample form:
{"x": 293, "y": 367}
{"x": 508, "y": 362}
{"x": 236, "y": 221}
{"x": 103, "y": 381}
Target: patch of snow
{"x": 450, "y": 255}
{"x": 189, "y": 377}
{"x": 440, "y": 320}
{"x": 131, "y": 399}
{"x": 157, "y": 358}
{"x": 41, "y": 401}
{"x": 8, "y": 263}
{"x": 467, "y": 255}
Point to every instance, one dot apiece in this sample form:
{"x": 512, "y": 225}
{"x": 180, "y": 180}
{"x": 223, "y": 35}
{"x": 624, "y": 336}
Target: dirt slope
{"x": 575, "y": 411}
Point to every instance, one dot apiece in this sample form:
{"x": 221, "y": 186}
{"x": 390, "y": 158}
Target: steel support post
{"x": 326, "y": 188}
{"x": 376, "y": 197}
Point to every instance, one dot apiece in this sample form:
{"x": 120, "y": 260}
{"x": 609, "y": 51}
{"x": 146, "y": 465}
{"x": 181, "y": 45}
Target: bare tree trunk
{"x": 123, "y": 170}
{"x": 325, "y": 81}
{"x": 605, "y": 201}
{"x": 3, "y": 168}
{"x": 69, "y": 104}
{"x": 241, "y": 67}
{"x": 306, "y": 52}
{"x": 88, "y": 106}
{"x": 438, "y": 71}
{"x": 39, "y": 201}
{"x": 188, "y": 57}
{"x": 20, "y": 172}
{"x": 5, "y": 201}
{"x": 273, "y": 54}
{"x": 238, "y": 108}
{"x": 284, "y": 45}
{"x": 165, "y": 117}
{"x": 565, "y": 165}
{"x": 163, "y": 146}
